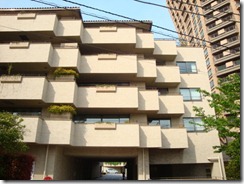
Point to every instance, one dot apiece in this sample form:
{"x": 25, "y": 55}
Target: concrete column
{"x": 143, "y": 164}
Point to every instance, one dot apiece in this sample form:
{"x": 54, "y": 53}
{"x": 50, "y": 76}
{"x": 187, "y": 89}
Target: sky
{"x": 158, "y": 15}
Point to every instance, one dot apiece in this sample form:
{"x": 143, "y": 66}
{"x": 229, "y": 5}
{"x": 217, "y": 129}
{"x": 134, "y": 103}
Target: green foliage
{"x": 11, "y": 133}
{"x": 62, "y": 71}
{"x": 15, "y": 167}
{"x": 59, "y": 109}
{"x": 226, "y": 120}
{"x": 113, "y": 163}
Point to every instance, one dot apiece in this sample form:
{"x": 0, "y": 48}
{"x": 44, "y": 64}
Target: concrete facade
{"x": 131, "y": 97}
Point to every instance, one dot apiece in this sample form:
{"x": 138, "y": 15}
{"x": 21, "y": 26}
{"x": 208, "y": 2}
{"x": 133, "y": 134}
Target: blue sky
{"x": 130, "y": 8}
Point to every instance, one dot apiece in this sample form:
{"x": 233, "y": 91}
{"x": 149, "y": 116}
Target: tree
{"x": 226, "y": 120}
{"x": 11, "y": 134}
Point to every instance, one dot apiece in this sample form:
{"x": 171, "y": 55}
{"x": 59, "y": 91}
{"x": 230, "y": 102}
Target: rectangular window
{"x": 164, "y": 123}
{"x": 190, "y": 94}
{"x": 193, "y": 124}
{"x": 211, "y": 84}
{"x": 100, "y": 118}
{"x": 187, "y": 67}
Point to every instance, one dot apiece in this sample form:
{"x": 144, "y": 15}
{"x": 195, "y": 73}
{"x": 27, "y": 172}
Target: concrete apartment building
{"x": 217, "y": 22}
{"x": 133, "y": 98}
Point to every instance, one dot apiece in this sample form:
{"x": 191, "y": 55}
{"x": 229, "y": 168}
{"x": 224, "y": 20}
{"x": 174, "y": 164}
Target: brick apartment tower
{"x": 217, "y": 22}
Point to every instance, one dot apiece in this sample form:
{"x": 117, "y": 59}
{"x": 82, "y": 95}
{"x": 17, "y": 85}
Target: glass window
{"x": 101, "y": 118}
{"x": 186, "y": 94}
{"x": 164, "y": 123}
{"x": 187, "y": 67}
{"x": 187, "y": 124}
{"x": 212, "y": 84}
{"x": 190, "y": 94}
{"x": 193, "y": 124}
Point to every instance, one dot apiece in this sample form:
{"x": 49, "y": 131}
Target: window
{"x": 101, "y": 118}
{"x": 187, "y": 67}
{"x": 193, "y": 124}
{"x": 207, "y": 62}
{"x": 212, "y": 84}
{"x": 190, "y": 94}
{"x": 163, "y": 91}
{"x": 210, "y": 73}
{"x": 164, "y": 123}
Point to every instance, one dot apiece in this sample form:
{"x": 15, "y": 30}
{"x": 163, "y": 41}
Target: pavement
{"x": 111, "y": 177}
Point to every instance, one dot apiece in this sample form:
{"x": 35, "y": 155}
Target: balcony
{"x": 216, "y": 17}
{"x": 168, "y": 76}
{"x": 144, "y": 42}
{"x": 219, "y": 26}
{"x": 107, "y": 97}
{"x": 70, "y": 28}
{"x": 226, "y": 45}
{"x": 147, "y": 69}
{"x": 171, "y": 104}
{"x": 124, "y": 135}
{"x": 148, "y": 100}
{"x": 174, "y": 138}
{"x": 228, "y": 57}
{"x": 224, "y": 35}
{"x": 26, "y": 24}
{"x": 206, "y": 2}
{"x": 56, "y": 132}
{"x": 67, "y": 55}
{"x": 165, "y": 50}
{"x": 27, "y": 55}
{"x": 61, "y": 92}
{"x": 23, "y": 90}
{"x": 233, "y": 69}
{"x": 109, "y": 35}
{"x": 215, "y": 7}
{"x": 108, "y": 64}
{"x": 62, "y": 132}
{"x": 33, "y": 128}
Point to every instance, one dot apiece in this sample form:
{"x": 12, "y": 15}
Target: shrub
{"x": 62, "y": 71}
{"x": 59, "y": 109}
{"x": 16, "y": 167}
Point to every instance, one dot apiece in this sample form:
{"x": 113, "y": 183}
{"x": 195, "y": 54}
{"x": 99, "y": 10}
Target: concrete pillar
{"x": 143, "y": 164}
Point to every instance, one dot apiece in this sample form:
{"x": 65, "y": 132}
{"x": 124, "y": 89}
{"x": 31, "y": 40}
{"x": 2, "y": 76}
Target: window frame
{"x": 195, "y": 128}
{"x": 187, "y": 67}
{"x": 191, "y": 97}
{"x": 150, "y": 120}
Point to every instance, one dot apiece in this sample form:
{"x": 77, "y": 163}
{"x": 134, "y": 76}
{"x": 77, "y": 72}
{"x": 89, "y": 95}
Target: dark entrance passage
{"x": 90, "y": 168}
{"x": 180, "y": 171}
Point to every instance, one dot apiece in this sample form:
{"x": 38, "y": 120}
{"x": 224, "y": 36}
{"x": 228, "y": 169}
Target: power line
{"x": 118, "y": 15}
{"x": 154, "y": 4}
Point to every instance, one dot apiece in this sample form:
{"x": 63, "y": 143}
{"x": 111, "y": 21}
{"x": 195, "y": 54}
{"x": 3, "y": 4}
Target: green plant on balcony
{"x": 62, "y": 71}
{"x": 60, "y": 109}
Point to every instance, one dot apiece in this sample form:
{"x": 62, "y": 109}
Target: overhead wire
{"x": 65, "y": 39}
{"x": 176, "y": 9}
{"x": 122, "y": 16}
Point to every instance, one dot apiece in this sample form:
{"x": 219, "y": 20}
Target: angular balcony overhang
{"x": 227, "y": 58}
{"x": 27, "y": 57}
{"x": 165, "y": 50}
{"x": 168, "y": 76}
{"x": 27, "y": 90}
{"x": 118, "y": 98}
{"x": 224, "y": 35}
{"x": 171, "y": 104}
{"x": 229, "y": 70}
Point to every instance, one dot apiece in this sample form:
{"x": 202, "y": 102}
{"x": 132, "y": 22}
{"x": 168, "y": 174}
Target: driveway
{"x": 111, "y": 177}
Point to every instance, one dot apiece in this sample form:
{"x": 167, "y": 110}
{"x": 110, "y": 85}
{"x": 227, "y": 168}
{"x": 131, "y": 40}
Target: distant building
{"x": 133, "y": 98}
{"x": 216, "y": 21}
